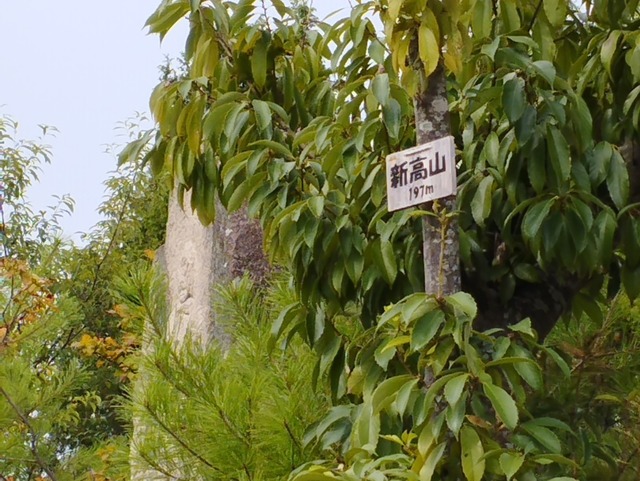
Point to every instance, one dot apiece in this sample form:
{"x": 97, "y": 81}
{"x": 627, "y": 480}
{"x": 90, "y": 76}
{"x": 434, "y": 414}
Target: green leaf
{"x": 415, "y": 306}
{"x": 510, "y": 16}
{"x": 394, "y": 10}
{"x": 435, "y": 389}
{"x": 194, "y": 124}
{"x": 403, "y": 396}
{"x": 632, "y": 97}
{"x": 524, "y": 326}
{"x": 382, "y": 355}
{"x": 316, "y": 205}
{"x": 315, "y": 476}
{"x": 534, "y": 217}
{"x": 608, "y": 50}
{"x": 556, "y": 11}
{"x": 377, "y": 51}
{"x": 513, "y": 99}
{"x": 481, "y": 202}
{"x": 546, "y": 70}
{"x": 464, "y": 302}
{"x": 426, "y": 328}
{"x": 244, "y": 191}
{"x": 259, "y": 61}
{"x": 455, "y": 415}
{"x": 547, "y": 458}
{"x": 429, "y": 466}
{"x": 395, "y": 342}
{"x": 453, "y": 389}
{"x": 276, "y": 147}
{"x": 510, "y": 360}
{"x": 581, "y": 116}
{"x": 391, "y": 116}
{"x": 263, "y": 114}
{"x": 163, "y": 19}
{"x": 386, "y": 392}
{"x": 472, "y": 453}
{"x": 631, "y": 281}
{"x": 489, "y": 49}
{"x": 386, "y": 261}
{"x": 286, "y": 316}
{"x": 481, "y": 20}
{"x": 559, "y": 153}
{"x": 380, "y": 88}
{"x": 526, "y": 127}
{"x": 132, "y": 150}
{"x": 503, "y": 404}
{"x": 618, "y": 180}
{"x": 544, "y": 436}
{"x": 526, "y": 272}
{"x": 529, "y": 371}
{"x": 599, "y": 162}
{"x": 560, "y": 362}
{"x": 280, "y": 7}
{"x": 510, "y": 463}
{"x": 491, "y": 149}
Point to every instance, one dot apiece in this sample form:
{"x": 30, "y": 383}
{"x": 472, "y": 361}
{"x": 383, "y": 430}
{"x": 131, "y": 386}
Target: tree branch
{"x": 178, "y": 439}
{"x": 535, "y": 15}
{"x": 33, "y": 445}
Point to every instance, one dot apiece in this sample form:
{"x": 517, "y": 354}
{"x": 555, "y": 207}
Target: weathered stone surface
{"x": 195, "y": 259}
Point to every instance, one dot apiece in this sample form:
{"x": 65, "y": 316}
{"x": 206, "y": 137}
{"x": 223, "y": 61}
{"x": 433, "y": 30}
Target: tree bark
{"x": 440, "y": 241}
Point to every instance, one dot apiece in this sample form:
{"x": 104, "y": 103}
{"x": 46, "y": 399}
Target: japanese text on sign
{"x": 421, "y": 174}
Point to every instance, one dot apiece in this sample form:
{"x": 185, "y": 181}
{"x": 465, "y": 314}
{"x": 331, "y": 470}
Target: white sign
{"x": 421, "y": 174}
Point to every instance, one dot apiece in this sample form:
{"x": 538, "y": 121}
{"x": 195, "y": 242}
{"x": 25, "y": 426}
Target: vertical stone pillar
{"x": 195, "y": 259}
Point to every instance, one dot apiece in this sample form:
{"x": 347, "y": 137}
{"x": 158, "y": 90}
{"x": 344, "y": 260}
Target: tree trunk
{"x": 440, "y": 242}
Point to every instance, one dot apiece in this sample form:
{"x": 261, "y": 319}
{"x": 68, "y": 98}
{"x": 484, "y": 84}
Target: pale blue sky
{"x": 82, "y": 67}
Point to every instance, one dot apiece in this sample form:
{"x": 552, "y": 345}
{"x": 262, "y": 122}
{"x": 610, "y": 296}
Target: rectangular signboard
{"x": 421, "y": 174}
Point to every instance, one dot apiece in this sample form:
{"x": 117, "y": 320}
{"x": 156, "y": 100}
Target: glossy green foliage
{"x": 300, "y": 146}
{"x": 441, "y": 401}
{"x": 293, "y": 117}
{"x": 545, "y": 130}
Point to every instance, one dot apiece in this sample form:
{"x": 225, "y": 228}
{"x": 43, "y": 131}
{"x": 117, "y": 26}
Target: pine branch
{"x": 226, "y": 420}
{"x": 292, "y": 436}
{"x": 155, "y": 466}
{"x": 33, "y": 445}
{"x": 178, "y": 439}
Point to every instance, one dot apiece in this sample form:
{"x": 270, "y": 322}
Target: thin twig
{"x": 33, "y": 445}
{"x": 535, "y": 15}
{"x": 178, "y": 439}
{"x": 151, "y": 462}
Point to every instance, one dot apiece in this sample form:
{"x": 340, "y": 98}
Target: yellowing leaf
{"x": 429, "y": 48}
{"x": 472, "y": 453}
{"x": 393, "y": 12}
